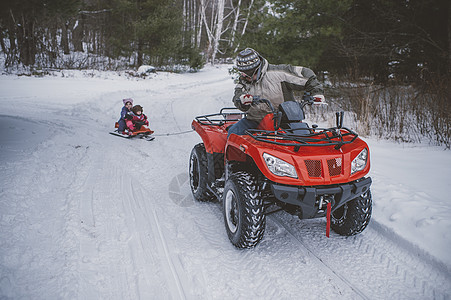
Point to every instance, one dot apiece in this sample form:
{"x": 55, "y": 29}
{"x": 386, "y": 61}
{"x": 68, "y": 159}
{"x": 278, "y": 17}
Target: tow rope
{"x": 173, "y": 133}
{"x": 328, "y": 219}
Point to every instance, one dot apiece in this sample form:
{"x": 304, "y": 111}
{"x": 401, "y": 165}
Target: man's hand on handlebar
{"x": 315, "y": 100}
{"x": 246, "y": 99}
{"x": 319, "y": 100}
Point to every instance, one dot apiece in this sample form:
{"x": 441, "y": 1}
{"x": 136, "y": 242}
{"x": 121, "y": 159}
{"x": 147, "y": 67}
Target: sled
{"x": 143, "y": 133}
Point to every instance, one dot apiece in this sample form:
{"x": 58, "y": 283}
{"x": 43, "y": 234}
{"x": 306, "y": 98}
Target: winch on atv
{"x": 306, "y": 171}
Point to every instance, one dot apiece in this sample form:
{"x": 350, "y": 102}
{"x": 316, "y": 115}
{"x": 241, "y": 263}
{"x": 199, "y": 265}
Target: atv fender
{"x": 213, "y": 137}
{"x": 236, "y": 149}
{"x": 239, "y": 149}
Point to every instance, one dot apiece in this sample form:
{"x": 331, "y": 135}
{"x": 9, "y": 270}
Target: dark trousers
{"x": 241, "y": 126}
{"x": 122, "y": 125}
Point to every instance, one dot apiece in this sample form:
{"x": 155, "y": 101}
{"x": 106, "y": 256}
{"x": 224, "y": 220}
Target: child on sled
{"x": 125, "y": 111}
{"x": 136, "y": 119}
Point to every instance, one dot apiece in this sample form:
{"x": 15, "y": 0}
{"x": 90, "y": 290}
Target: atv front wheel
{"x": 243, "y": 210}
{"x": 353, "y": 217}
{"x": 198, "y": 174}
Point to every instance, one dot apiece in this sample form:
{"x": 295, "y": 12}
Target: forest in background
{"x": 388, "y": 61}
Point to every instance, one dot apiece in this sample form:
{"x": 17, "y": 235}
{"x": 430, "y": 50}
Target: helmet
{"x": 248, "y": 60}
{"x": 127, "y": 100}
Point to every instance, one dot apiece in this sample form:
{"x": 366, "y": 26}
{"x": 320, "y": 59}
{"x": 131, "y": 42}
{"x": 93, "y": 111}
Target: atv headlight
{"x": 279, "y": 167}
{"x": 359, "y": 163}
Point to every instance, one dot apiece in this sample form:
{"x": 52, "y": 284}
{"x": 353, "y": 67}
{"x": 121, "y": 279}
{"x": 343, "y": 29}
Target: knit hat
{"x": 127, "y": 100}
{"x": 137, "y": 108}
{"x": 248, "y": 60}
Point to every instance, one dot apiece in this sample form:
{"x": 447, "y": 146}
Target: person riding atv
{"x": 273, "y": 82}
{"x": 265, "y": 158}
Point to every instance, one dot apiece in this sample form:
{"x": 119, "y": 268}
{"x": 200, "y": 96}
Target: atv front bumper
{"x": 306, "y": 197}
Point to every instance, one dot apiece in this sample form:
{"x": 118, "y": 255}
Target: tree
{"x": 294, "y": 31}
{"x": 394, "y": 39}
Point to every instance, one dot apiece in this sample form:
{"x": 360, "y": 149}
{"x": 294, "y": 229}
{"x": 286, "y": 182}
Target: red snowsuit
{"x": 134, "y": 122}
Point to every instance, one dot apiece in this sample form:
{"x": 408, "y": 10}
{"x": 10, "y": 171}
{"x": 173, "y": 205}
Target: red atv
{"x": 286, "y": 165}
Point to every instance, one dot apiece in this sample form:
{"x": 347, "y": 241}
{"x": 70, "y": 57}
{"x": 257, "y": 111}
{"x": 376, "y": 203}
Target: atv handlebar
{"x": 258, "y": 100}
{"x": 307, "y": 99}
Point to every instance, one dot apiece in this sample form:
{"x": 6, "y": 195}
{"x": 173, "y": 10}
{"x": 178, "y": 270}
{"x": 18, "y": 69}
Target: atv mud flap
{"x": 305, "y": 197}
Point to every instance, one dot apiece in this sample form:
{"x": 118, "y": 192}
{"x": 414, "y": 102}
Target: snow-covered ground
{"x": 87, "y": 215}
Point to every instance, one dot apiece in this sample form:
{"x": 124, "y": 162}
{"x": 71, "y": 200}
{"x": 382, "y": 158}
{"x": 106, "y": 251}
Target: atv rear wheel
{"x": 353, "y": 217}
{"x": 198, "y": 174}
{"x": 243, "y": 210}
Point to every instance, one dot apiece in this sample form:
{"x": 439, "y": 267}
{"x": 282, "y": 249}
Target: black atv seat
{"x": 291, "y": 112}
{"x": 292, "y": 116}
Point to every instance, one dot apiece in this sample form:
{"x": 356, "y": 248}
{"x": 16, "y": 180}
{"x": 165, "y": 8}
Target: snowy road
{"x": 87, "y": 215}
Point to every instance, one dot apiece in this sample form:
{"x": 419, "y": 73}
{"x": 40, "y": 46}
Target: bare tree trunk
{"x": 26, "y": 41}
{"x": 2, "y": 43}
{"x": 200, "y": 25}
{"x": 193, "y": 23}
{"x": 77, "y": 35}
{"x": 189, "y": 26}
{"x": 64, "y": 38}
{"x": 185, "y": 24}
{"x": 245, "y": 23}
{"x": 218, "y": 31}
{"x": 247, "y": 17}
{"x": 235, "y": 23}
{"x": 140, "y": 56}
{"x": 52, "y": 44}
{"x": 207, "y": 28}
{"x": 11, "y": 56}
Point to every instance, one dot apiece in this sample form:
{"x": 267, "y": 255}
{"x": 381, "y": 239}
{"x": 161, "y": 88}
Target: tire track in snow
{"x": 148, "y": 216}
{"x": 261, "y": 275}
{"x": 368, "y": 265}
{"x": 242, "y": 260}
{"x": 341, "y": 280}
{"x": 118, "y": 257}
{"x": 389, "y": 269}
{"x": 105, "y": 264}
{"x": 135, "y": 248}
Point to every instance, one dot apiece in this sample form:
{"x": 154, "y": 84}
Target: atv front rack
{"x": 226, "y": 114}
{"x": 317, "y": 137}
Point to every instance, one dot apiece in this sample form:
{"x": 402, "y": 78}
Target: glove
{"x": 246, "y": 99}
{"x": 319, "y": 99}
